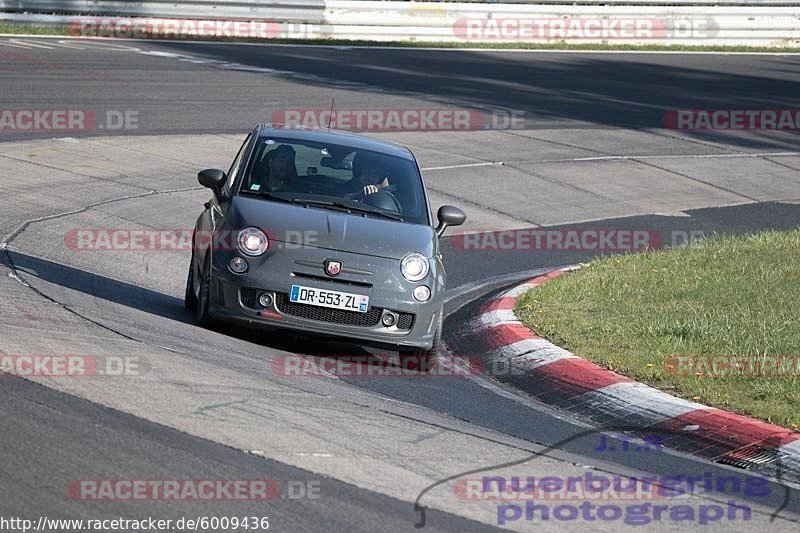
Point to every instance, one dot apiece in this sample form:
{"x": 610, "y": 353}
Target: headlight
{"x": 252, "y": 241}
{"x": 414, "y": 266}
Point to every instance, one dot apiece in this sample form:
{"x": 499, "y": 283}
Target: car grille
{"x": 405, "y": 321}
{"x": 323, "y": 314}
{"x": 249, "y": 298}
{"x": 328, "y": 279}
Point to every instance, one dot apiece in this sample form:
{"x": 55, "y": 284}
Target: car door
{"x": 214, "y": 212}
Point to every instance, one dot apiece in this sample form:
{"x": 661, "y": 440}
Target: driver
{"x": 281, "y": 169}
{"x": 369, "y": 174}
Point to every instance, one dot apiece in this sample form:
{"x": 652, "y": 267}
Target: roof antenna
{"x": 330, "y": 118}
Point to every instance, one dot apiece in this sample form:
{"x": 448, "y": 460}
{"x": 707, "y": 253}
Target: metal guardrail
{"x": 684, "y": 22}
{"x": 229, "y": 8}
{"x": 289, "y": 10}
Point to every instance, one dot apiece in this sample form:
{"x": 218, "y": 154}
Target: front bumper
{"x": 379, "y": 278}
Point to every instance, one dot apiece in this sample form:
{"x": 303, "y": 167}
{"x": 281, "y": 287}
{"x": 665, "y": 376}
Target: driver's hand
{"x": 370, "y": 189}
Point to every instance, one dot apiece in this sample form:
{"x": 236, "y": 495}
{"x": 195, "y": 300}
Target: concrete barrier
{"x": 768, "y": 23}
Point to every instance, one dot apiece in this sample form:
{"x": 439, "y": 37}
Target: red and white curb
{"x": 555, "y": 375}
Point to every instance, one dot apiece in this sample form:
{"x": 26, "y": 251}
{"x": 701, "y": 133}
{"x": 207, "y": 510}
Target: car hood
{"x": 333, "y": 230}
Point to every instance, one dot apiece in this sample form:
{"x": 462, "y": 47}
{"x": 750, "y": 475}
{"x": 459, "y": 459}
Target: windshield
{"x": 327, "y": 176}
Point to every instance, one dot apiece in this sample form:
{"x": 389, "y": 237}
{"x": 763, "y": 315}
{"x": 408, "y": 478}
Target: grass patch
{"x": 718, "y": 297}
{"x": 34, "y": 29}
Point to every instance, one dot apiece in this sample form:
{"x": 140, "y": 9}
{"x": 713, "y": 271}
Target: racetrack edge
{"x": 561, "y": 378}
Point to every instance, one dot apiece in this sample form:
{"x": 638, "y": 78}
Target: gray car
{"x": 322, "y": 232}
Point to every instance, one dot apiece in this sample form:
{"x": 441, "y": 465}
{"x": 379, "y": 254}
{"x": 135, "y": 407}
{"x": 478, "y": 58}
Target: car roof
{"x": 332, "y": 136}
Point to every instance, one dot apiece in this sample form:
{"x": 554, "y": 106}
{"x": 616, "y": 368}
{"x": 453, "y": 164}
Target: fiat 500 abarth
{"x": 322, "y": 232}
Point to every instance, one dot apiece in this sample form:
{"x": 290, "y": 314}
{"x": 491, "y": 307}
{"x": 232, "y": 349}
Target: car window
{"x": 237, "y": 162}
{"x": 343, "y": 174}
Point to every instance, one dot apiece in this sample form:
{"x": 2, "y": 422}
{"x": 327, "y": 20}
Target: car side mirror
{"x": 212, "y": 178}
{"x": 449, "y": 216}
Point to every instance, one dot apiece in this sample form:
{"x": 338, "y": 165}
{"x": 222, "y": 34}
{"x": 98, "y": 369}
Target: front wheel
{"x": 201, "y": 313}
{"x": 190, "y": 298}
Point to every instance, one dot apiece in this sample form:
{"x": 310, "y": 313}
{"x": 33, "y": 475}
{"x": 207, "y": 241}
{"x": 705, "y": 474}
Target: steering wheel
{"x": 383, "y": 199}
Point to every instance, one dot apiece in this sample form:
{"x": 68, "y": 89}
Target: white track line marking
{"x": 466, "y": 165}
{"x": 69, "y": 44}
{"x": 696, "y": 156}
{"x": 673, "y": 156}
{"x": 7, "y": 43}
{"x": 30, "y": 44}
{"x": 621, "y": 158}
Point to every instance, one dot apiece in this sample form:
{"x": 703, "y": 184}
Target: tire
{"x": 190, "y": 298}
{"x": 422, "y": 360}
{"x": 201, "y": 313}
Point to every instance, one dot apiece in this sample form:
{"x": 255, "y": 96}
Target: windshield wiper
{"x": 273, "y": 196}
{"x": 384, "y": 214}
{"x": 355, "y": 208}
{"x": 336, "y": 206}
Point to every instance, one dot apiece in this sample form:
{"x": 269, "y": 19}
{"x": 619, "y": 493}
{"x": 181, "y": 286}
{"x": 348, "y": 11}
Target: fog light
{"x": 238, "y": 265}
{"x": 389, "y": 319}
{"x": 265, "y": 299}
{"x": 422, "y": 293}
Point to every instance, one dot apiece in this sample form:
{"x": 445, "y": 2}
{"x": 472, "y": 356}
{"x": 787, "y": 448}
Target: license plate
{"x": 327, "y": 298}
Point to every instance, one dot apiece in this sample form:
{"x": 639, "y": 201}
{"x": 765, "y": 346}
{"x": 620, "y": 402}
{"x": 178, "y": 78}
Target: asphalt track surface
{"x": 593, "y": 155}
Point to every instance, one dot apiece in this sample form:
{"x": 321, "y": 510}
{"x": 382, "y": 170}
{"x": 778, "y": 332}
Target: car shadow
{"x": 163, "y": 305}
